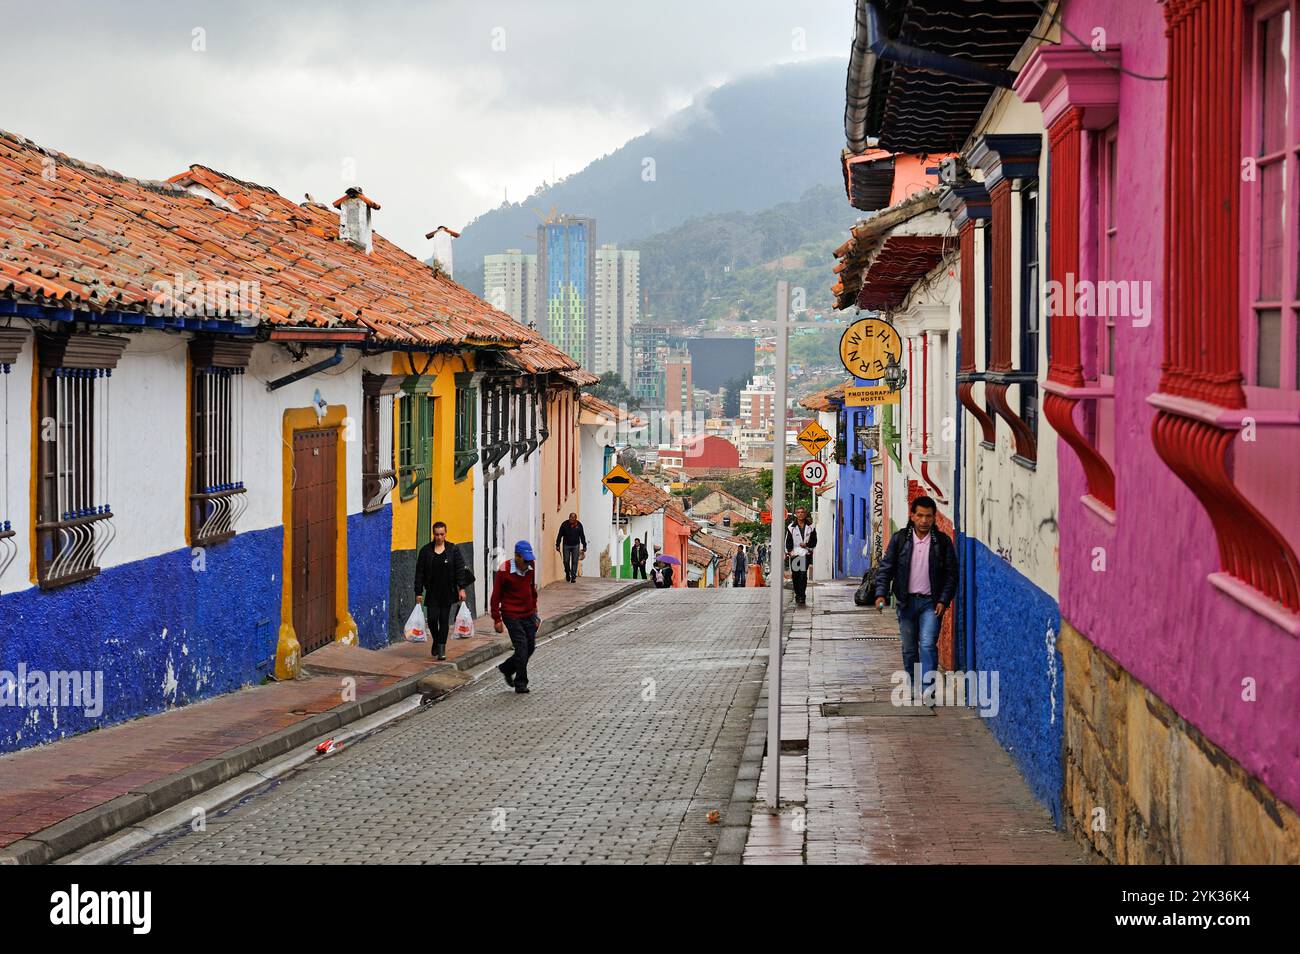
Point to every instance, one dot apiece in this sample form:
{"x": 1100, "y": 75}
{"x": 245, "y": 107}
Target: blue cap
{"x": 525, "y": 549}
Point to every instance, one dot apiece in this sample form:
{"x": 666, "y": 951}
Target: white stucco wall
{"x": 595, "y": 504}
{"x": 147, "y": 444}
{"x": 824, "y": 555}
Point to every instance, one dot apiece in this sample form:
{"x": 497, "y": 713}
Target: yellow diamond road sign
{"x": 617, "y": 480}
{"x": 814, "y": 438}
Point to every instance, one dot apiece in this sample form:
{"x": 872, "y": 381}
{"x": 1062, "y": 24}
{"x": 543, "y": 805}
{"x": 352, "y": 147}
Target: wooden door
{"x": 315, "y": 536}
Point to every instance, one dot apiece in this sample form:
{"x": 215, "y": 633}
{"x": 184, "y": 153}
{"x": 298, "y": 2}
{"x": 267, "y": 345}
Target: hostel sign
{"x": 865, "y": 397}
{"x": 867, "y": 346}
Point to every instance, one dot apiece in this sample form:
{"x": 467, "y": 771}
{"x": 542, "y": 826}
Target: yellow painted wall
{"x": 453, "y": 500}
{"x": 562, "y": 417}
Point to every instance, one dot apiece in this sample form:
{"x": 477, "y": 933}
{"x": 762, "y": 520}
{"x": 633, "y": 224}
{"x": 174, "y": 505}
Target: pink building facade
{"x": 1179, "y": 503}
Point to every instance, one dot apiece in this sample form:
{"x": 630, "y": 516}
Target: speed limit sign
{"x": 813, "y": 472}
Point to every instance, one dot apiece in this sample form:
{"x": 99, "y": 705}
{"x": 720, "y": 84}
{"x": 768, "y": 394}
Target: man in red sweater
{"x": 514, "y": 608}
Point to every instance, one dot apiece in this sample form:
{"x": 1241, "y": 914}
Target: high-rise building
{"x": 617, "y": 310}
{"x": 649, "y": 349}
{"x": 679, "y": 393}
{"x": 756, "y": 403}
{"x": 566, "y": 273}
{"x": 510, "y": 284}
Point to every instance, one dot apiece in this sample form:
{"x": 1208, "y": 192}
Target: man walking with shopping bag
{"x": 440, "y": 580}
{"x": 514, "y": 609}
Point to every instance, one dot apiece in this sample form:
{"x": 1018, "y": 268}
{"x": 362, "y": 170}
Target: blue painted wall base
{"x": 1016, "y": 628}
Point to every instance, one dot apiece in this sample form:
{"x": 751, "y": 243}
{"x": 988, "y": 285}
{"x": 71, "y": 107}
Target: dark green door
{"x": 417, "y": 445}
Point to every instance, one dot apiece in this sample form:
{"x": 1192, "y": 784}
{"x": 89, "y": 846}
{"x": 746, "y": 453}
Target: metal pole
{"x": 777, "y": 582}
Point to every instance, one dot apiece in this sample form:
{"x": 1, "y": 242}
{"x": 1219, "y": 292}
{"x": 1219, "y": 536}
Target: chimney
{"x": 354, "y": 218}
{"x": 442, "y": 239}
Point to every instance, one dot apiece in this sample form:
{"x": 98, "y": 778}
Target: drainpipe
{"x": 307, "y": 371}
{"x": 870, "y": 44}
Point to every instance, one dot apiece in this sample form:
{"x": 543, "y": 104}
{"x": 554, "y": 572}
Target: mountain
{"x": 745, "y": 146}
{"x": 724, "y": 267}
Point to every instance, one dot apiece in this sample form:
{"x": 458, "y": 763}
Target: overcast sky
{"x": 438, "y": 107}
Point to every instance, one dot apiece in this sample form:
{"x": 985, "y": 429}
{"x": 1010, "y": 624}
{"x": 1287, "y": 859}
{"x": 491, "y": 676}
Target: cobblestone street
{"x": 632, "y": 735}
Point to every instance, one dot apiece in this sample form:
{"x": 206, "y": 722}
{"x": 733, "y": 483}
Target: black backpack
{"x": 865, "y": 594}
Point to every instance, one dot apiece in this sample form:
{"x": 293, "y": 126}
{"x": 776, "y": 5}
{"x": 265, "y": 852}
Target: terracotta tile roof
{"x": 606, "y": 410}
{"x": 866, "y": 237}
{"x": 700, "y": 556}
{"x": 642, "y": 498}
{"x": 827, "y": 399}
{"x": 77, "y": 235}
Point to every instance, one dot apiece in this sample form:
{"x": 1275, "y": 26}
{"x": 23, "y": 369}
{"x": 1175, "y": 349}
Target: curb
{"x": 94, "y": 824}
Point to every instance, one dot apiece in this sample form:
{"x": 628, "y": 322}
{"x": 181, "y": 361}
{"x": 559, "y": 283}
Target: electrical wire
{"x": 1056, "y": 18}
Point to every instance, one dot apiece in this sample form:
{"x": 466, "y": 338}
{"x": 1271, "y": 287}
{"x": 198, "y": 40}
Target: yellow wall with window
{"x": 453, "y": 500}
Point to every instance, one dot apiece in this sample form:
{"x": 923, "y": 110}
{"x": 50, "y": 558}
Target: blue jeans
{"x": 917, "y": 616}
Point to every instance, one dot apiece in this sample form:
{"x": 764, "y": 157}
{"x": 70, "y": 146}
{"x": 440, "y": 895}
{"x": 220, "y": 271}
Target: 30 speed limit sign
{"x": 813, "y": 473}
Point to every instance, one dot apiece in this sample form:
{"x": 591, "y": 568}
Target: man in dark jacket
{"x": 740, "y": 566}
{"x": 514, "y": 609}
{"x": 921, "y": 565}
{"x": 440, "y": 580}
{"x": 573, "y": 539}
{"x": 639, "y": 556}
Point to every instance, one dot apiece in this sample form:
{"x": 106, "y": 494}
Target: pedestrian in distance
{"x": 573, "y": 541}
{"x": 741, "y": 566}
{"x": 639, "y": 556}
{"x": 800, "y": 541}
{"x": 920, "y": 564}
{"x": 663, "y": 575}
{"x": 514, "y": 610}
{"x": 440, "y": 580}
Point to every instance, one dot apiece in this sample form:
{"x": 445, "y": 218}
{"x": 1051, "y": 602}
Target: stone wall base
{"x": 1143, "y": 786}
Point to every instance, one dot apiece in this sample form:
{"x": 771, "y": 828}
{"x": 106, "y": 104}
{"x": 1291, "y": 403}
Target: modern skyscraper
{"x": 649, "y": 346}
{"x": 510, "y": 284}
{"x": 566, "y": 272}
{"x": 618, "y": 308}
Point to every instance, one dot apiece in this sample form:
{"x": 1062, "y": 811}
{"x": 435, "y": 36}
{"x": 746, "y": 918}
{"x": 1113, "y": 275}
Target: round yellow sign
{"x": 867, "y": 345}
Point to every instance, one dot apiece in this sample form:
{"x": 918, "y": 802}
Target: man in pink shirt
{"x": 921, "y": 563}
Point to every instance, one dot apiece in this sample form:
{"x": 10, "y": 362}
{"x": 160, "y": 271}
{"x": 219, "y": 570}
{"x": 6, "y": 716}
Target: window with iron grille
{"x": 74, "y": 518}
{"x": 405, "y": 442}
{"x": 218, "y": 496}
{"x": 378, "y": 473}
{"x": 11, "y": 344}
{"x": 1030, "y": 274}
{"x": 466, "y": 413}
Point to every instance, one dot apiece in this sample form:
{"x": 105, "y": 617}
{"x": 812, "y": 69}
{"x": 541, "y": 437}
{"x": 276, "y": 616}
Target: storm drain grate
{"x": 872, "y": 709}
{"x": 857, "y": 638}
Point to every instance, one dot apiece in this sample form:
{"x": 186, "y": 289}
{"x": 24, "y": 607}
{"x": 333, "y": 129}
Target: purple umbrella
{"x": 665, "y": 558}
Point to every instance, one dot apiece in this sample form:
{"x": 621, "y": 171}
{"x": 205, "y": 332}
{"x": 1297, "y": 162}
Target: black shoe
{"x": 521, "y": 689}
{"x": 510, "y": 680}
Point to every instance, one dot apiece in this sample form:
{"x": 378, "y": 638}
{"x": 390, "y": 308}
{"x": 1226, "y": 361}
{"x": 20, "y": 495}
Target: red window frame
{"x": 1279, "y": 151}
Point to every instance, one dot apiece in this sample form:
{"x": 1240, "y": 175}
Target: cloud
{"x": 440, "y": 108}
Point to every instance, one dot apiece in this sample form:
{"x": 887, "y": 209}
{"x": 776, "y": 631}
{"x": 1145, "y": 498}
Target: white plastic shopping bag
{"x": 464, "y": 628}
{"x": 416, "y": 630}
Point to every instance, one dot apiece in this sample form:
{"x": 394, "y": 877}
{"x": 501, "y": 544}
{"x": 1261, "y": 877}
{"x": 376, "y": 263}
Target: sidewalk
{"x": 59, "y": 797}
{"x": 892, "y": 785}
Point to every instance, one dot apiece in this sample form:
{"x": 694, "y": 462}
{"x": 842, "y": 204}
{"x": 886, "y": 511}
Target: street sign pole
{"x": 777, "y": 583}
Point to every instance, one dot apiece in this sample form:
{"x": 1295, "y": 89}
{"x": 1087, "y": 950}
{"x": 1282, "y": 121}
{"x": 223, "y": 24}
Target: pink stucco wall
{"x": 1152, "y": 608}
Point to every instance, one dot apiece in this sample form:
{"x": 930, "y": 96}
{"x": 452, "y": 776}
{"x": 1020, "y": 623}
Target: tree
{"x": 797, "y": 493}
{"x": 610, "y": 388}
{"x": 630, "y": 461}
{"x": 731, "y": 403}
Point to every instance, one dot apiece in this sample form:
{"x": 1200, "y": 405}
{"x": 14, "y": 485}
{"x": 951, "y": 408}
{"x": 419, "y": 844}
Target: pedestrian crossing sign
{"x": 617, "y": 480}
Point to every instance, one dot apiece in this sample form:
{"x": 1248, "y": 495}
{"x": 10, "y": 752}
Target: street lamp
{"x": 895, "y": 377}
